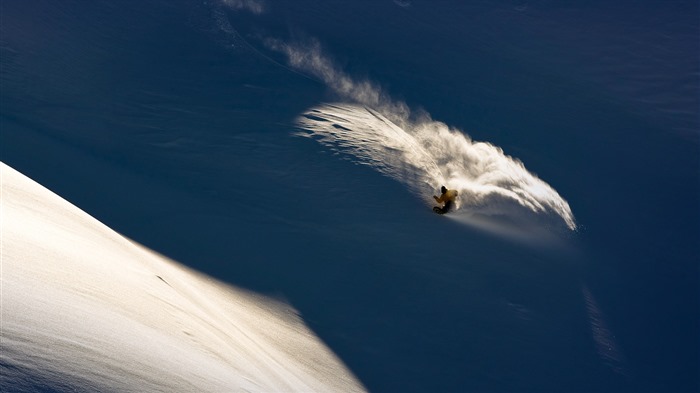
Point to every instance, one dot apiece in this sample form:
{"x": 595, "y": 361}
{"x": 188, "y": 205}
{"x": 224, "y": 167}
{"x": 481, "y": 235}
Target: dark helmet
{"x": 443, "y": 189}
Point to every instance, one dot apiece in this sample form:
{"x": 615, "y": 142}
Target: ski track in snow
{"x": 605, "y": 343}
{"x": 84, "y": 309}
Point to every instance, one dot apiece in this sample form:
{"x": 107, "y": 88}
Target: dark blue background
{"x": 174, "y": 129}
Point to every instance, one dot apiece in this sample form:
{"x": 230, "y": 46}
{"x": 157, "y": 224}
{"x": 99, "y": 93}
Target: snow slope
{"x": 85, "y": 309}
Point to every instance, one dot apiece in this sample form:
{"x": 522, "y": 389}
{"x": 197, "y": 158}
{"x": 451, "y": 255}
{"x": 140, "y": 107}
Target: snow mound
{"x": 85, "y": 309}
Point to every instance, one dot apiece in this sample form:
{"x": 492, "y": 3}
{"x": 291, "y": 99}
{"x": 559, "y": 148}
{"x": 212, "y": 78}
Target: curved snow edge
{"x": 85, "y": 309}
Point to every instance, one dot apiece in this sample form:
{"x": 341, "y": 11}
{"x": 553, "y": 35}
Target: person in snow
{"x": 448, "y": 198}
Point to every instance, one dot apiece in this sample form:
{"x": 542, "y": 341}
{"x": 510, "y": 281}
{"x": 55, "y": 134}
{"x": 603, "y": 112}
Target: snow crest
{"x": 85, "y": 309}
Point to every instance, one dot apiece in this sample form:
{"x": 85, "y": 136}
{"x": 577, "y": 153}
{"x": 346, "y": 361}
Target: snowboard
{"x": 438, "y": 210}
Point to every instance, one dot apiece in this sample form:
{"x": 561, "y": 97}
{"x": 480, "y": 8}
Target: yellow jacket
{"x": 449, "y": 195}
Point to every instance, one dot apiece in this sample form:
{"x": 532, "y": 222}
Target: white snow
{"x": 86, "y": 309}
{"x": 423, "y": 154}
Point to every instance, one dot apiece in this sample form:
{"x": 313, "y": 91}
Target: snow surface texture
{"x": 84, "y": 309}
{"x": 420, "y": 152}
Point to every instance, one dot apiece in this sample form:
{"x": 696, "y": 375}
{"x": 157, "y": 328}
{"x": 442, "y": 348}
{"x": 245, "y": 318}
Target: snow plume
{"x": 255, "y": 6}
{"x": 310, "y": 59}
{"x": 421, "y": 153}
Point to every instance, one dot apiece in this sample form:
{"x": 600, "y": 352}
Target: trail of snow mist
{"x": 421, "y": 153}
{"x": 254, "y": 6}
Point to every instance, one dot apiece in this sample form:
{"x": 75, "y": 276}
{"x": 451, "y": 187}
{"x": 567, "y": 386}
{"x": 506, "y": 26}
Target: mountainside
{"x": 291, "y": 150}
